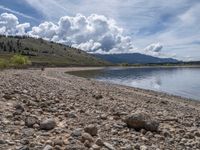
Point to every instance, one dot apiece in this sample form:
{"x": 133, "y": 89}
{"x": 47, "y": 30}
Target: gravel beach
{"x": 52, "y": 110}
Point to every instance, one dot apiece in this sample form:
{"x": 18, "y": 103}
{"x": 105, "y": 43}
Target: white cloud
{"x": 155, "y": 47}
{"x": 21, "y": 28}
{"x": 173, "y": 23}
{"x": 9, "y": 25}
{"x": 93, "y": 33}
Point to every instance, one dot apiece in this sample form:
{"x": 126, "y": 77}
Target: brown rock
{"x": 47, "y": 124}
{"x": 91, "y": 129}
{"x": 86, "y": 136}
{"x": 140, "y": 121}
{"x": 96, "y": 147}
{"x": 87, "y": 144}
{"x": 99, "y": 142}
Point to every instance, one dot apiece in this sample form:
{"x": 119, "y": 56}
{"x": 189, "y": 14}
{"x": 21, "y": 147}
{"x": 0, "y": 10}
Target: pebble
{"x": 109, "y": 146}
{"x": 143, "y": 147}
{"x": 129, "y": 147}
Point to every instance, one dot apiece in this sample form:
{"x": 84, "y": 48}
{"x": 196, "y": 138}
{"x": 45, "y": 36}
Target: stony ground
{"x": 44, "y": 110}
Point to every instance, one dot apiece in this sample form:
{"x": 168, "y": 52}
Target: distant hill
{"x": 134, "y": 58}
{"x": 42, "y": 52}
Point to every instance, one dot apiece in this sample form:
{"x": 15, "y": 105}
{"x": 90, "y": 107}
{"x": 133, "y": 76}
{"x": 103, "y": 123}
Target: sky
{"x": 155, "y": 27}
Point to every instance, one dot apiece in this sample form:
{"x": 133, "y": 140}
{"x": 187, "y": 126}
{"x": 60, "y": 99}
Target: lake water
{"x": 180, "y": 81}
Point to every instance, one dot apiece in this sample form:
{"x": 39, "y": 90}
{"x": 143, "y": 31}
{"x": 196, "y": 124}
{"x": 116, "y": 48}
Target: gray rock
{"x": 7, "y": 96}
{"x": 48, "y": 147}
{"x": 87, "y": 144}
{"x": 77, "y": 132}
{"x": 143, "y": 147}
{"x": 99, "y": 142}
{"x": 19, "y": 107}
{"x": 58, "y": 141}
{"x": 91, "y": 129}
{"x": 87, "y": 136}
{"x": 108, "y": 146}
{"x": 137, "y": 146}
{"x": 28, "y": 132}
{"x": 97, "y": 96}
{"x": 2, "y": 141}
{"x": 95, "y": 147}
{"x": 151, "y": 125}
{"x": 128, "y": 147}
{"x": 71, "y": 115}
{"x": 48, "y": 124}
{"x": 24, "y": 142}
{"x": 24, "y": 148}
{"x": 30, "y": 121}
{"x": 74, "y": 147}
{"x": 140, "y": 121}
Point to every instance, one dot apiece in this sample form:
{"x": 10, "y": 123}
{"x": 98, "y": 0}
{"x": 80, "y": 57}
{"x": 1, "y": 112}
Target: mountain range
{"x": 134, "y": 58}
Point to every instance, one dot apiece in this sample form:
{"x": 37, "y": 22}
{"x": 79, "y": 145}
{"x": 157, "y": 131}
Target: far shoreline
{"x": 75, "y": 69}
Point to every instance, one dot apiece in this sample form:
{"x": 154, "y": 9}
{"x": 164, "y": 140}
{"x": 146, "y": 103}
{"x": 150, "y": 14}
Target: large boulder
{"x": 140, "y": 121}
{"x": 47, "y": 124}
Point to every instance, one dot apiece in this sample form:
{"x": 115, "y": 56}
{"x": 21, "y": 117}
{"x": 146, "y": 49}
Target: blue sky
{"x": 157, "y": 27}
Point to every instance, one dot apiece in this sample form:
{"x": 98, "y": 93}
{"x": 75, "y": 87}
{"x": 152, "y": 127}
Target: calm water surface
{"x": 183, "y": 82}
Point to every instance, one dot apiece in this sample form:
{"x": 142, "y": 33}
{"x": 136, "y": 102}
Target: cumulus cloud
{"x": 155, "y": 47}
{"x": 9, "y": 25}
{"x": 92, "y": 33}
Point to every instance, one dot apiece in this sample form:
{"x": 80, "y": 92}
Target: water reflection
{"x": 179, "y": 81}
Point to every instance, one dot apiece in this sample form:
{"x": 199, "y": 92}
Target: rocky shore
{"x": 51, "y": 110}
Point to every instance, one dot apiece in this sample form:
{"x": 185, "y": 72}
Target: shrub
{"x": 3, "y": 63}
{"x": 124, "y": 64}
{"x": 18, "y": 60}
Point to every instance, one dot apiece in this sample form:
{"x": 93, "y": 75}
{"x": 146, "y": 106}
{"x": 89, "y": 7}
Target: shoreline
{"x": 76, "y": 103}
{"x": 70, "y": 72}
